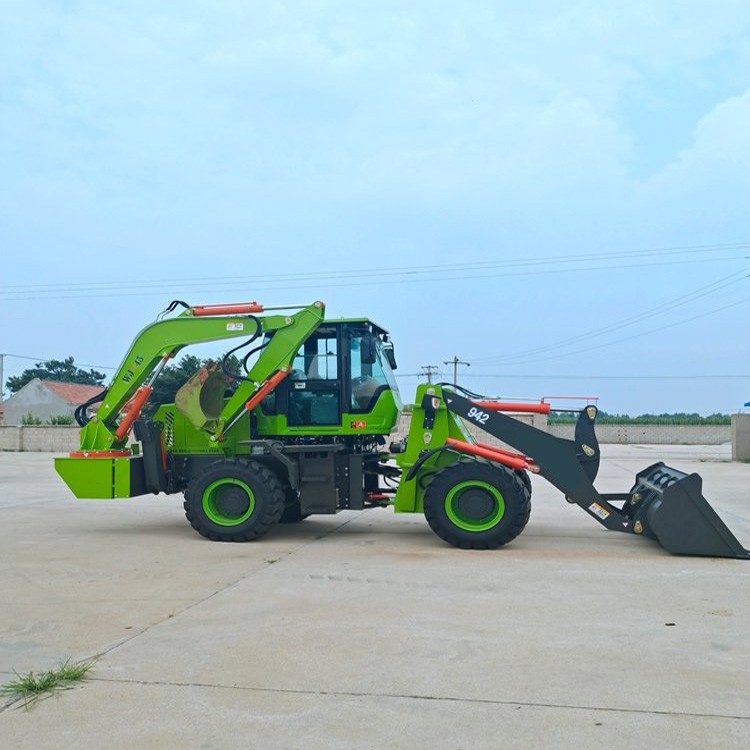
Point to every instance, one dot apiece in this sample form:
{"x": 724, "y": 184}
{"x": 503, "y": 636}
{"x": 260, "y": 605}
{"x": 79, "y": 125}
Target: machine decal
{"x": 597, "y": 510}
{"x": 479, "y": 416}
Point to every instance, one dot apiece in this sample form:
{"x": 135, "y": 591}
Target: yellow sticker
{"x": 598, "y": 511}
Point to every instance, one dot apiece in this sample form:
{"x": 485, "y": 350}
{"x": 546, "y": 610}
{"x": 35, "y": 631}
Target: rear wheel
{"x": 234, "y": 501}
{"x": 475, "y": 505}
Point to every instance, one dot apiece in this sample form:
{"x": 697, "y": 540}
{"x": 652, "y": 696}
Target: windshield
{"x": 369, "y": 380}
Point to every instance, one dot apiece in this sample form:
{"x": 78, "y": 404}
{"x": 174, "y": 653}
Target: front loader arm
{"x": 162, "y": 340}
{"x": 569, "y": 465}
{"x": 664, "y": 504}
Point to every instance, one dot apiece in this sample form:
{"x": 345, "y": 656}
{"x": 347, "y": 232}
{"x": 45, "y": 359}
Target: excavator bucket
{"x": 201, "y": 398}
{"x": 668, "y": 505}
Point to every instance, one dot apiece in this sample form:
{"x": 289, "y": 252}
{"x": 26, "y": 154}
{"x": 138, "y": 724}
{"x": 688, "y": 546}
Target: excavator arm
{"x": 156, "y": 344}
{"x": 105, "y": 467}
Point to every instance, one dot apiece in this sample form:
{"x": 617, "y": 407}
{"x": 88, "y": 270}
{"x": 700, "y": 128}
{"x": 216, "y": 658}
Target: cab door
{"x": 314, "y": 396}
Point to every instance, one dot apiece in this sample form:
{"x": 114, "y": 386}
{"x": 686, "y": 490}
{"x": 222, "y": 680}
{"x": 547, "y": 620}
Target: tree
{"x": 62, "y": 371}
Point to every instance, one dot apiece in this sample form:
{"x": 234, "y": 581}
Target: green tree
{"x": 557, "y": 417}
{"x": 61, "y": 419}
{"x": 62, "y": 371}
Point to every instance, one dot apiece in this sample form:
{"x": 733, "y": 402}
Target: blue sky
{"x": 558, "y": 194}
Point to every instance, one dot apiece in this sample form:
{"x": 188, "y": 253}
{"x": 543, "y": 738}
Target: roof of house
{"x": 73, "y": 393}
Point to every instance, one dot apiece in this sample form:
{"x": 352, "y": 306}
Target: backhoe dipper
{"x": 302, "y": 430}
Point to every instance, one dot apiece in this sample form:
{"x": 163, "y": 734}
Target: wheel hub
{"x": 232, "y": 501}
{"x": 475, "y": 504}
{"x": 228, "y": 502}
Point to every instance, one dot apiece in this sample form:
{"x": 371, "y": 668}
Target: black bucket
{"x": 668, "y": 505}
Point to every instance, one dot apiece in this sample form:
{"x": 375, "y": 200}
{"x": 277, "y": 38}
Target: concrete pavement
{"x": 364, "y": 630}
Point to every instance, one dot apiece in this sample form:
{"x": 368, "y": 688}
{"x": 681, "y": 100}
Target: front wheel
{"x": 475, "y": 505}
{"x": 234, "y": 501}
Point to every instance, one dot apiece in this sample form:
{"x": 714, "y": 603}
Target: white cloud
{"x": 719, "y": 157}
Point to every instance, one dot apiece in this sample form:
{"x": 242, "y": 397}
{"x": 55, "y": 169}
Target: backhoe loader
{"x": 302, "y": 429}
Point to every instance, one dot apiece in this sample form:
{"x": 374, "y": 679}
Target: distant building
{"x": 45, "y": 399}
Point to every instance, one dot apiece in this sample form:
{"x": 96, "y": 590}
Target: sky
{"x": 557, "y": 193}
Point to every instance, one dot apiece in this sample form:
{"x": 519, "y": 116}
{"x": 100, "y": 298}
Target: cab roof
{"x": 366, "y": 321}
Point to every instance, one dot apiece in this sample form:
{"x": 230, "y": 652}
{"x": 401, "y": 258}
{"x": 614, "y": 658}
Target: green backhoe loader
{"x": 303, "y": 429}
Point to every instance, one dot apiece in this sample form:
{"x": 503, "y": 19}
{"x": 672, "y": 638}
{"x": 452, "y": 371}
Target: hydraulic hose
{"x": 254, "y": 337}
{"x": 80, "y": 413}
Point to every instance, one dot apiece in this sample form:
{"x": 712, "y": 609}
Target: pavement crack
{"x": 9, "y": 704}
{"x": 258, "y": 571}
{"x": 420, "y": 697}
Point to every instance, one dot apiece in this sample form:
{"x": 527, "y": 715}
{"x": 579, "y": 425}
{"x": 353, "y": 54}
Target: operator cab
{"x": 342, "y": 378}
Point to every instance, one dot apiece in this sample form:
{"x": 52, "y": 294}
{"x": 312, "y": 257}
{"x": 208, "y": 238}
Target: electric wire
{"x": 49, "y": 359}
{"x": 380, "y": 271}
{"x": 625, "y": 322}
{"x": 422, "y": 275}
{"x": 634, "y": 336}
{"x": 582, "y": 376}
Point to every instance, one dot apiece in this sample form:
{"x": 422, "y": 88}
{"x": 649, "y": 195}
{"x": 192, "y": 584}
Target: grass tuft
{"x": 33, "y": 686}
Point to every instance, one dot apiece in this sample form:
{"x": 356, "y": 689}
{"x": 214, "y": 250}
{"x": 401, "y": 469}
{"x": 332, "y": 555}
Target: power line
{"x": 504, "y": 376}
{"x": 585, "y": 376}
{"x": 49, "y": 359}
{"x": 422, "y": 275}
{"x": 532, "y": 359}
{"x": 448, "y": 267}
{"x": 456, "y": 362}
{"x": 429, "y": 371}
{"x": 659, "y": 309}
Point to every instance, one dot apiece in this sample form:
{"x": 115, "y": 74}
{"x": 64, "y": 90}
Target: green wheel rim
{"x": 212, "y": 503}
{"x": 468, "y": 523}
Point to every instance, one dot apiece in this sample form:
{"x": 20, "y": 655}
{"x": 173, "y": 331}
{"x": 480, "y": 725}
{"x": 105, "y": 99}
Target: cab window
{"x": 368, "y": 379}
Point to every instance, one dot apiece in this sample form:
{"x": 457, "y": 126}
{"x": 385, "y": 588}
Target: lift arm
{"x": 570, "y": 465}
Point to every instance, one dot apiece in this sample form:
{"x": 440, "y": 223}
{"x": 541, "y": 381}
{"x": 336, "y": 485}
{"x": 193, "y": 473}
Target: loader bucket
{"x": 670, "y": 507}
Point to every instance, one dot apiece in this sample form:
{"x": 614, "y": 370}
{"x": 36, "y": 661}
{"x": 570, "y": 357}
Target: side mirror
{"x": 367, "y": 351}
{"x": 390, "y": 354}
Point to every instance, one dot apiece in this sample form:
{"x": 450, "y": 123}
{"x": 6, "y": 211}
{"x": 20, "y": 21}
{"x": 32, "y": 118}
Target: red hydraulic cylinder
{"x": 266, "y": 388}
{"x": 493, "y": 454}
{"x": 512, "y": 454}
{"x": 241, "y": 308}
{"x": 512, "y": 407}
{"x": 136, "y": 404}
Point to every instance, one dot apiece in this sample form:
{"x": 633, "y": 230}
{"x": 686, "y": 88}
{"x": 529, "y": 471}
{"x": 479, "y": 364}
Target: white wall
{"x": 42, "y": 438}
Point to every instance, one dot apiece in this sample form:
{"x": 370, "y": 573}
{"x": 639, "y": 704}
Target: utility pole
{"x": 456, "y": 362}
{"x": 429, "y": 370}
{"x": 2, "y": 362}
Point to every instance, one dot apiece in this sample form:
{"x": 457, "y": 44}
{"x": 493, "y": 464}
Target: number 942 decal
{"x": 479, "y": 416}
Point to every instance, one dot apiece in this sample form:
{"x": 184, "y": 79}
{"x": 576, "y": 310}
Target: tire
{"x": 234, "y": 501}
{"x": 523, "y": 475}
{"x": 475, "y": 505}
{"x": 292, "y": 509}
